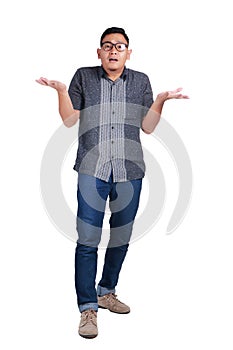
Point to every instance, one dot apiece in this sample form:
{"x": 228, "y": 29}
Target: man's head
{"x": 114, "y": 50}
{"x": 114, "y": 30}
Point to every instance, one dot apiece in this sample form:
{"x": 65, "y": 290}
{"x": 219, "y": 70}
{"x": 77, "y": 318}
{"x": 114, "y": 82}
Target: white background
{"x": 179, "y": 287}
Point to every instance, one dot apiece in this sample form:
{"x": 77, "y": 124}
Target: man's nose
{"x": 113, "y": 54}
{"x": 113, "y": 50}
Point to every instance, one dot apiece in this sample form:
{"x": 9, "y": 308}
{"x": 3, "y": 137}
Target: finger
{"x": 40, "y": 82}
{"x": 43, "y": 81}
{"x": 176, "y": 91}
{"x": 182, "y": 96}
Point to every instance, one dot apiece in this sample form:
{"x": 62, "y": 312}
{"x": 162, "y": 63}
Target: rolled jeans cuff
{"x": 101, "y": 291}
{"x": 87, "y": 306}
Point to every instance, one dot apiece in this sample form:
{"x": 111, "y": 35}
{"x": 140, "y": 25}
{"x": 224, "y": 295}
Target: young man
{"x": 112, "y": 103}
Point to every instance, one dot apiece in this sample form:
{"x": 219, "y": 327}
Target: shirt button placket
{"x": 112, "y": 121}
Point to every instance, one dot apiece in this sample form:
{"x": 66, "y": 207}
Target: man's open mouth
{"x": 113, "y": 60}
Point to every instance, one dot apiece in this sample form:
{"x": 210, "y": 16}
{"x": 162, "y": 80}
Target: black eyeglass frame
{"x": 114, "y": 45}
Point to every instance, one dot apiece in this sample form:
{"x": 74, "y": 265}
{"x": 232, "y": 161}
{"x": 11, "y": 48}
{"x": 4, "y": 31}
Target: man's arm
{"x": 152, "y": 117}
{"x": 68, "y": 114}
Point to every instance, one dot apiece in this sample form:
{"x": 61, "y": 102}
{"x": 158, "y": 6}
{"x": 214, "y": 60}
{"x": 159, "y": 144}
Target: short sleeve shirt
{"x": 111, "y": 113}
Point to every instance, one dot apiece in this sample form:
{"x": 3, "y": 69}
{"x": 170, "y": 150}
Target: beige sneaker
{"x": 110, "y": 302}
{"x": 88, "y": 324}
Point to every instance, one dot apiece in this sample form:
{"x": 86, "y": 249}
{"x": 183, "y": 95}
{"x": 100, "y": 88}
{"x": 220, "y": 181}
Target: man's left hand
{"x": 168, "y": 95}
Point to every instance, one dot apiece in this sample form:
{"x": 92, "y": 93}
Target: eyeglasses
{"x": 107, "y": 46}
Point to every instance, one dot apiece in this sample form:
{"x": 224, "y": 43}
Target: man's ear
{"x": 129, "y": 54}
{"x": 98, "y": 53}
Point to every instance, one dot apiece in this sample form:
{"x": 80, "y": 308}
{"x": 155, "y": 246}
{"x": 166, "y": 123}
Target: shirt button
{"x": 113, "y": 112}
{"x": 112, "y": 141}
{"x": 112, "y": 127}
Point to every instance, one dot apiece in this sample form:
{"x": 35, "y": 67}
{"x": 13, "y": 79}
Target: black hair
{"x": 114, "y": 30}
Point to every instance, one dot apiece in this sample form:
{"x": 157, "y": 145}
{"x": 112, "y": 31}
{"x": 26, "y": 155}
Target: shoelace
{"x": 90, "y": 316}
{"x": 112, "y": 298}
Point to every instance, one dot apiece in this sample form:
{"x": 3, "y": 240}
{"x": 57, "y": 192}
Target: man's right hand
{"x": 68, "y": 114}
{"x": 57, "y": 85}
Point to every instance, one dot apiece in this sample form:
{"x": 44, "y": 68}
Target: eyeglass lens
{"x": 119, "y": 46}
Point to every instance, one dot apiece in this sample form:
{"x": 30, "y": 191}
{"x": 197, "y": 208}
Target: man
{"x": 112, "y": 103}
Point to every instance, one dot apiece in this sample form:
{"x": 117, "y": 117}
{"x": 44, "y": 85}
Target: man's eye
{"x": 121, "y": 47}
{"x": 107, "y": 46}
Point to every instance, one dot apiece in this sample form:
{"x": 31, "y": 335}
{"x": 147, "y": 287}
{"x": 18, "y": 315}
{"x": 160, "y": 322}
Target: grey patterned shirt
{"x": 110, "y": 122}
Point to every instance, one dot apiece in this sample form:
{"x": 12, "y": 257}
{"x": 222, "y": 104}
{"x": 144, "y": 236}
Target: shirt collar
{"x": 103, "y": 74}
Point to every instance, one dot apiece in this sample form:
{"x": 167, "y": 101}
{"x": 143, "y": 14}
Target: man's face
{"x": 114, "y": 60}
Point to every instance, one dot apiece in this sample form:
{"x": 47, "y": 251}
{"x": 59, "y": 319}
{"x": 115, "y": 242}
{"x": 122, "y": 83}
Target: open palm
{"x": 57, "y": 85}
{"x": 172, "y": 94}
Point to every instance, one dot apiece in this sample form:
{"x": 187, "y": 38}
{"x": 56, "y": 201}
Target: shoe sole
{"x": 88, "y": 336}
{"x": 115, "y": 312}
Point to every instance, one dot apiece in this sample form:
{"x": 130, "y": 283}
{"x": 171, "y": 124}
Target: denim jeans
{"x": 123, "y": 202}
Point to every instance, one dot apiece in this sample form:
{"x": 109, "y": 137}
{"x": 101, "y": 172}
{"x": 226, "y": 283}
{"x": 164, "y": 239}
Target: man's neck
{"x": 114, "y": 75}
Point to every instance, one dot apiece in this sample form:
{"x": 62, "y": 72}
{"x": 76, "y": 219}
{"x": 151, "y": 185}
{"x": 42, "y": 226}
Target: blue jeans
{"x": 123, "y": 202}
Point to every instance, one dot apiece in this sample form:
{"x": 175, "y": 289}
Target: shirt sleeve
{"x": 76, "y": 92}
{"x": 148, "y": 94}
